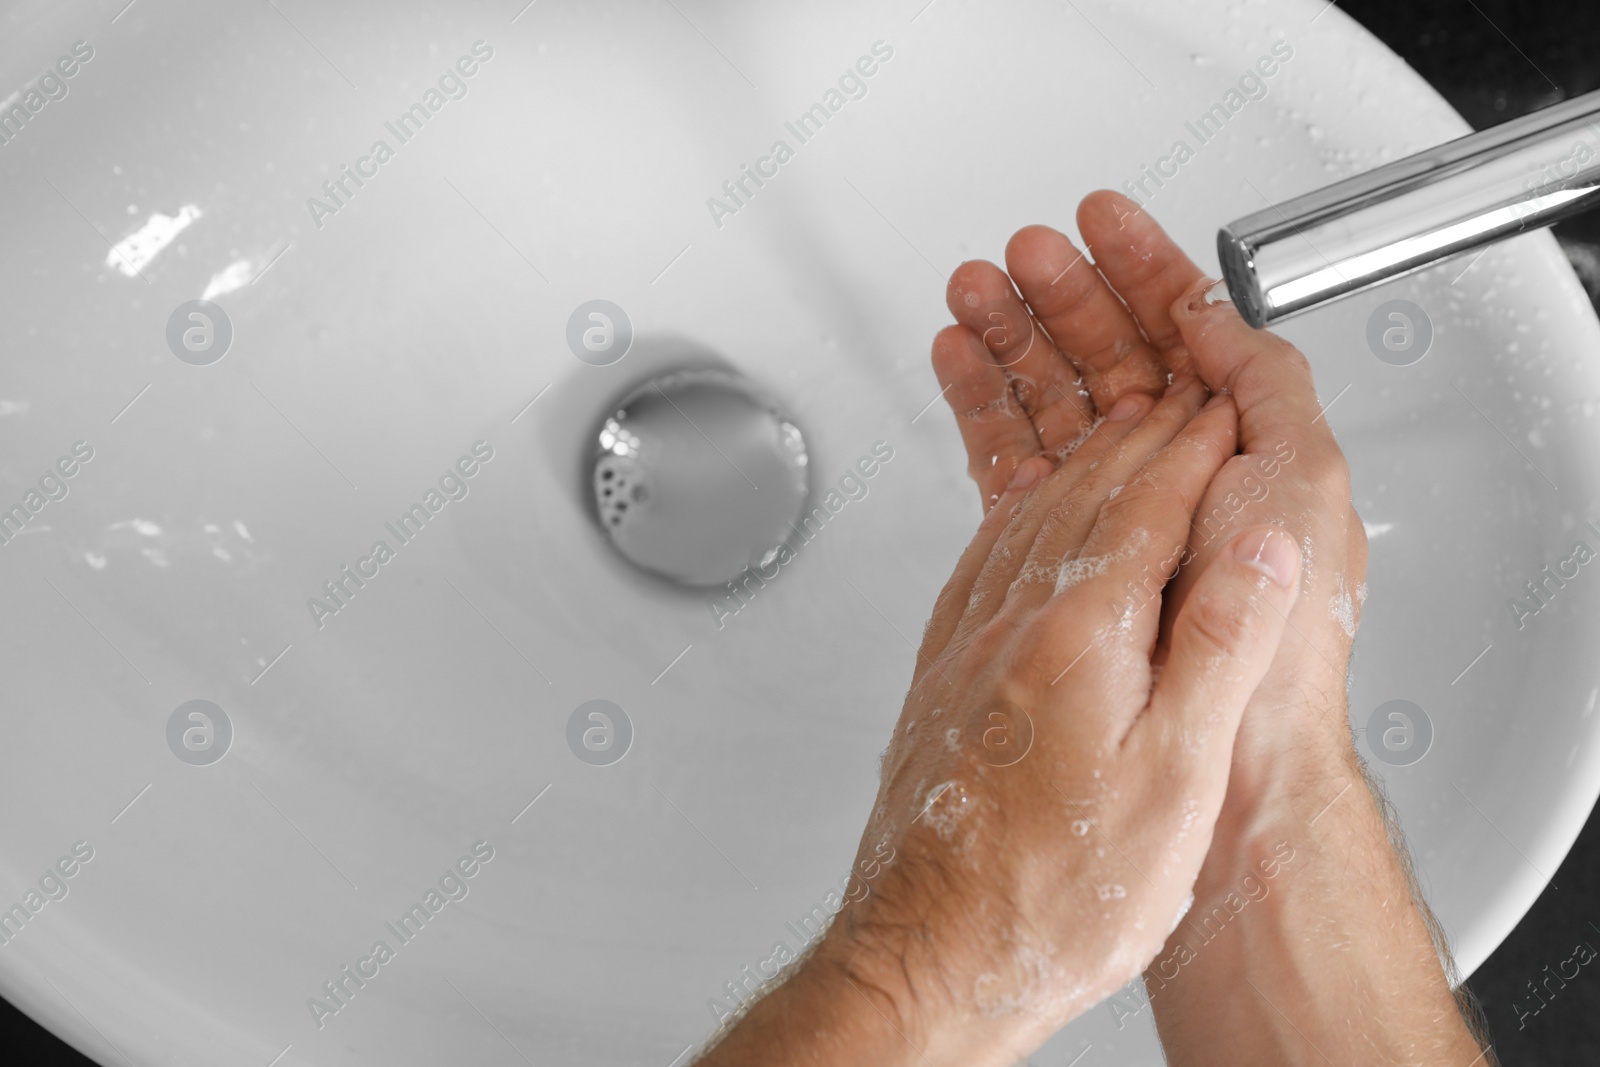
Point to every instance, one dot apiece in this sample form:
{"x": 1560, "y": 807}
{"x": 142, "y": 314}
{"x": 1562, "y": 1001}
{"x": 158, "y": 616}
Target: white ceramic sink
{"x": 369, "y": 754}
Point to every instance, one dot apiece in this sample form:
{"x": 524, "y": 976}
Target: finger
{"x": 955, "y": 598}
{"x": 1012, "y": 549}
{"x": 1102, "y": 612}
{"x": 1223, "y": 642}
{"x": 1268, "y": 377}
{"x": 1086, "y": 319}
{"x": 982, "y": 299}
{"x": 1315, "y": 511}
{"x": 995, "y": 429}
{"x": 1292, "y": 471}
{"x": 1145, "y": 266}
{"x": 1063, "y": 518}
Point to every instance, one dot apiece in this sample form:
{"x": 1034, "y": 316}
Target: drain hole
{"x": 618, "y": 483}
{"x": 697, "y": 475}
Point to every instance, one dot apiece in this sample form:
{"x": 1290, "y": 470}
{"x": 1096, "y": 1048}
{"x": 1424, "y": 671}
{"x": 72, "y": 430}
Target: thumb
{"x": 1269, "y": 378}
{"x": 1223, "y": 641}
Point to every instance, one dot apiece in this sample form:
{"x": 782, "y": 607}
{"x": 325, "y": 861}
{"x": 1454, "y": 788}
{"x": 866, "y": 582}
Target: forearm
{"x": 840, "y": 1009}
{"x": 804, "y": 1022}
{"x": 1327, "y": 959}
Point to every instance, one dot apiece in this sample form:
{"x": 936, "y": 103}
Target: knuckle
{"x": 991, "y": 640}
{"x": 951, "y": 340}
{"x": 1144, "y": 502}
{"x": 1065, "y": 416}
{"x": 994, "y": 573}
{"x": 1273, "y": 366}
{"x": 1321, "y": 474}
{"x": 1142, "y": 273}
{"x": 1166, "y": 337}
{"x": 1132, "y": 501}
{"x": 1062, "y": 524}
{"x": 1031, "y": 660}
{"x": 1041, "y": 655}
{"x": 1225, "y": 621}
{"x": 1295, "y": 358}
{"x": 1085, "y": 494}
{"x": 1070, "y": 295}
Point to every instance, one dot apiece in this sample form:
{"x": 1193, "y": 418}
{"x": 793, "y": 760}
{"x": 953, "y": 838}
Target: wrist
{"x": 905, "y": 988}
{"x": 1286, "y": 784}
{"x": 814, "y": 1017}
{"x": 1284, "y": 770}
{"x": 847, "y": 1006}
{"x": 905, "y": 970}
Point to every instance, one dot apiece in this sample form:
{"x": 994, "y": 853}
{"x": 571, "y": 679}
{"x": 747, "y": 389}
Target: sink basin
{"x": 415, "y": 729}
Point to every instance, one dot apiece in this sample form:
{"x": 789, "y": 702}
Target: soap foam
{"x": 945, "y": 806}
{"x": 1072, "y": 571}
{"x": 1001, "y": 407}
{"x": 1066, "y": 573}
{"x": 1081, "y": 569}
{"x": 1342, "y": 607}
{"x": 1037, "y": 975}
{"x": 1077, "y": 442}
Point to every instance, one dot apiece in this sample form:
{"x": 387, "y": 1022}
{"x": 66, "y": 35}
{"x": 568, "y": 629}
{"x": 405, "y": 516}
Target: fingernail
{"x": 1213, "y": 295}
{"x": 1126, "y": 408}
{"x": 1028, "y": 472}
{"x": 1270, "y": 551}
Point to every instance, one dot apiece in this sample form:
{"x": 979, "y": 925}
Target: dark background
{"x": 1493, "y": 60}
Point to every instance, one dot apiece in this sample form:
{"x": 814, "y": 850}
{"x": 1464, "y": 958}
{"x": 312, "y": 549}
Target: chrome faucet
{"x": 1403, "y": 216}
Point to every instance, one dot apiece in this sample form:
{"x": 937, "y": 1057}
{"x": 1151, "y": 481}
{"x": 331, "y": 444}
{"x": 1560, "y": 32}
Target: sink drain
{"x": 697, "y": 475}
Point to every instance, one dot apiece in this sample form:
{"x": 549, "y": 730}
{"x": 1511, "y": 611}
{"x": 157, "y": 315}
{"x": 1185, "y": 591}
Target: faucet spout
{"x": 1406, "y": 215}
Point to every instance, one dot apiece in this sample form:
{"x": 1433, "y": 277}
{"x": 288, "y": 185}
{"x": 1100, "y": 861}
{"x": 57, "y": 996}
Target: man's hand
{"x": 1339, "y": 960}
{"x": 1037, "y": 355}
{"x": 1046, "y": 800}
{"x": 1343, "y": 937}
